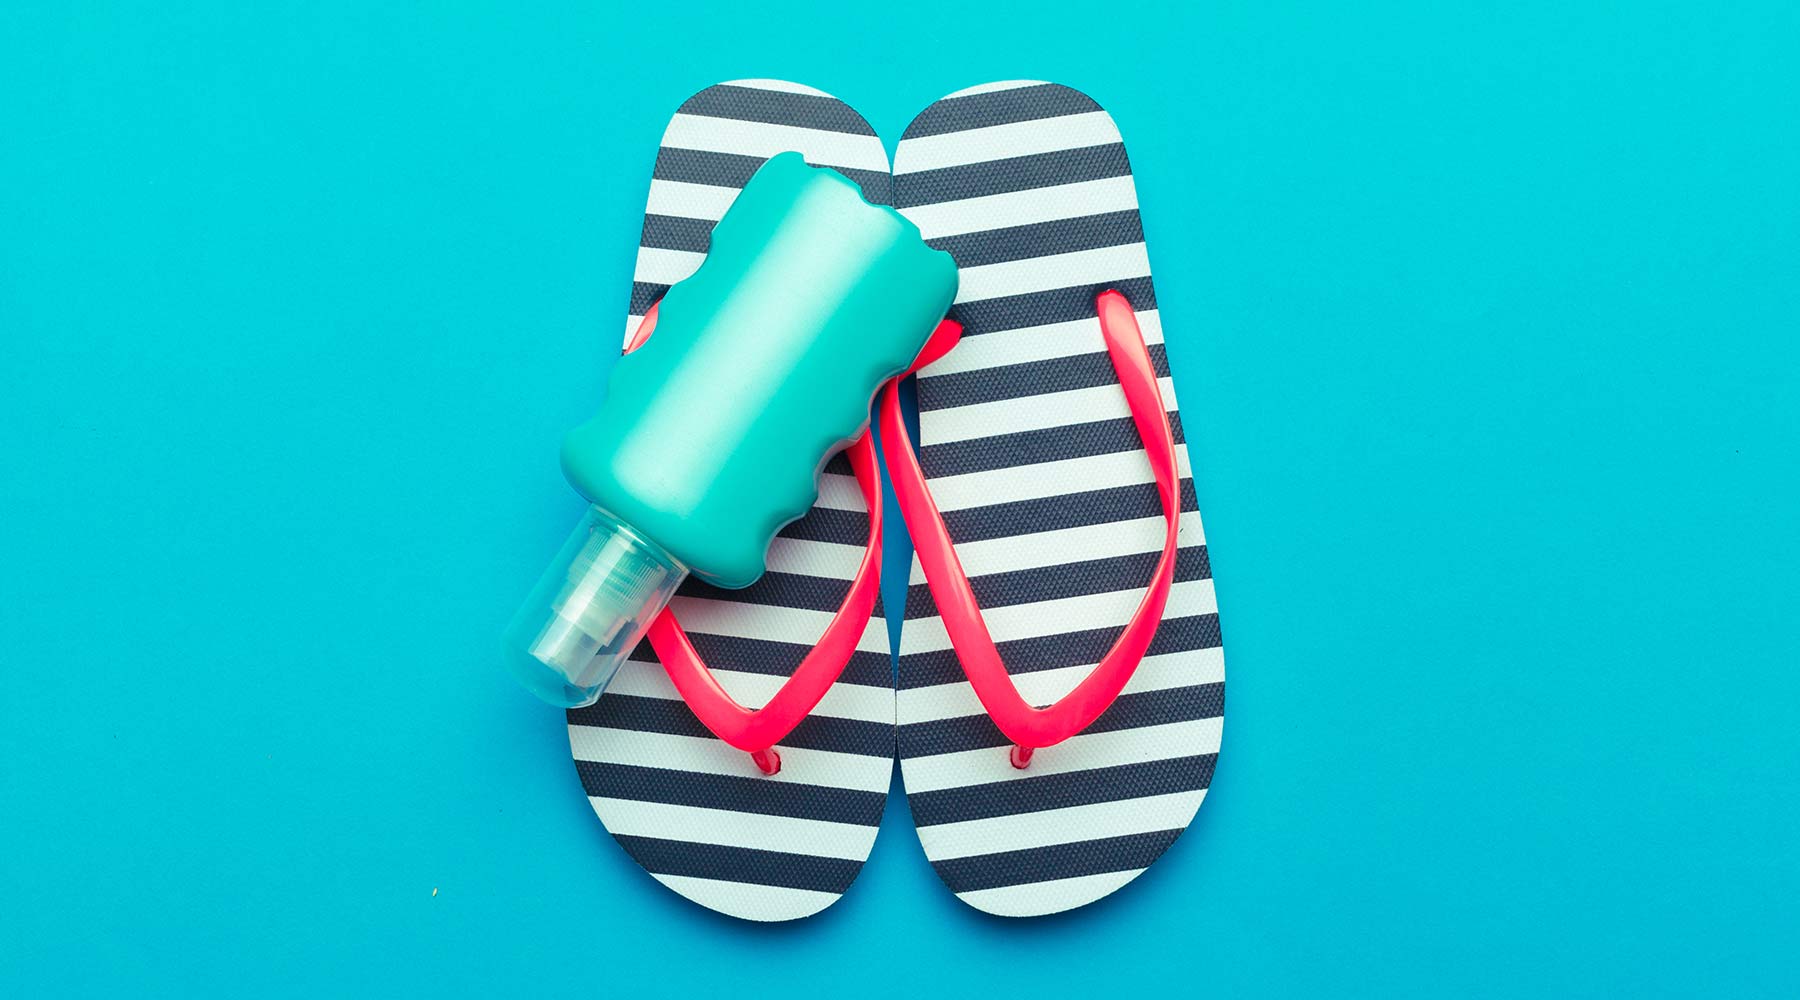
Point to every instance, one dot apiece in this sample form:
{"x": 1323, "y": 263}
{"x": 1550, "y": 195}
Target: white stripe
{"x": 1044, "y": 549}
{"x": 1000, "y": 142}
{"x": 782, "y": 85}
{"x": 1048, "y": 479}
{"x": 665, "y": 267}
{"x": 689, "y": 201}
{"x": 748, "y": 901}
{"x": 1059, "y": 826}
{"x": 990, "y": 765}
{"x": 1036, "y": 899}
{"x": 629, "y": 818}
{"x": 840, "y": 492}
{"x": 842, "y": 701}
{"x": 988, "y": 88}
{"x": 1035, "y": 343}
{"x": 1041, "y": 687}
{"x": 767, "y": 622}
{"x": 1070, "y": 614}
{"x": 1043, "y": 274}
{"x": 1021, "y": 208}
{"x": 710, "y": 755}
{"x": 631, "y": 324}
{"x": 726, "y": 135}
{"x": 828, "y": 560}
{"x": 1030, "y": 413}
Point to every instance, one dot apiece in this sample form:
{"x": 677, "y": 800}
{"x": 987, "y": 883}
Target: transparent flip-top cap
{"x": 590, "y": 610}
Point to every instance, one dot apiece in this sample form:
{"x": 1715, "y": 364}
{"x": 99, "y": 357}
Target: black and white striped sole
{"x": 1032, "y": 458}
{"x": 697, "y": 814}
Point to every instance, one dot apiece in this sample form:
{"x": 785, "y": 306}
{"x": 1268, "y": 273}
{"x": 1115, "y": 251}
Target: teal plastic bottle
{"x": 713, "y": 433}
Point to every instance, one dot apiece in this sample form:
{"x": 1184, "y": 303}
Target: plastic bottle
{"x": 713, "y": 433}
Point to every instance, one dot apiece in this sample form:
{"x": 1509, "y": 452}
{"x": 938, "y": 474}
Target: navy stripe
{"x": 776, "y": 107}
{"x": 1065, "y": 649}
{"x": 1001, "y": 107}
{"x": 1032, "y": 378}
{"x": 776, "y": 659}
{"x": 639, "y": 715}
{"x": 699, "y": 166}
{"x": 781, "y": 590}
{"x": 1060, "y": 791}
{"x": 1018, "y": 173}
{"x": 1066, "y": 510}
{"x": 1057, "y": 305}
{"x": 675, "y": 232}
{"x": 722, "y": 791}
{"x": 876, "y": 186}
{"x": 828, "y": 524}
{"x": 741, "y": 864}
{"x": 672, "y": 717}
{"x": 645, "y": 294}
{"x": 1044, "y": 864}
{"x": 1128, "y": 711}
{"x": 1041, "y": 239}
{"x": 1049, "y": 444}
{"x": 839, "y": 465}
{"x": 1077, "y": 579}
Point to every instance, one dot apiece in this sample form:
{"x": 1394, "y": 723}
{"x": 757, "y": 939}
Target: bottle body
{"x": 763, "y": 364}
{"x": 714, "y": 431}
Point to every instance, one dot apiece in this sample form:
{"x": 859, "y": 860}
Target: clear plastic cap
{"x": 590, "y": 610}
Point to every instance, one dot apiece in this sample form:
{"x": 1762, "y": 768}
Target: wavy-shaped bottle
{"x": 714, "y": 432}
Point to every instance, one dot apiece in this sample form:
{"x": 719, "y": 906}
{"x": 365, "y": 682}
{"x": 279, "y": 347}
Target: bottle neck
{"x": 591, "y": 609}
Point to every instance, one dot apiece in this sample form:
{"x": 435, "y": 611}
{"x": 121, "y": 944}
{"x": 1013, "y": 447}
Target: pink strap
{"x": 1027, "y": 726}
{"x": 758, "y": 730}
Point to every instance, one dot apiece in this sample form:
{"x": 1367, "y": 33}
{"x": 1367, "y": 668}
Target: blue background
{"x": 1486, "y": 330}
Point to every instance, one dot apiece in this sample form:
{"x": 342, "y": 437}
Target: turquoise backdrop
{"x": 1486, "y": 326}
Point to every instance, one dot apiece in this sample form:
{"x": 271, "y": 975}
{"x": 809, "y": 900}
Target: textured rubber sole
{"x": 1032, "y": 458}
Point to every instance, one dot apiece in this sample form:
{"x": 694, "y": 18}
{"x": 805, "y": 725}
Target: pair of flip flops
{"x": 1060, "y": 689}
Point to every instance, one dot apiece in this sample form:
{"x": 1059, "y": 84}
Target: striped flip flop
{"x": 1060, "y": 672}
{"x": 701, "y": 816}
